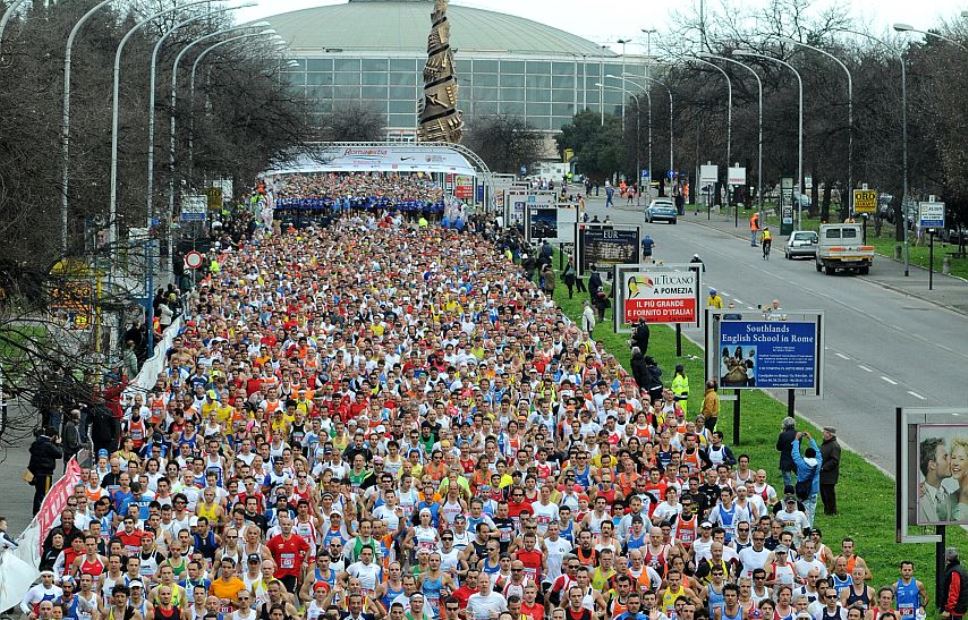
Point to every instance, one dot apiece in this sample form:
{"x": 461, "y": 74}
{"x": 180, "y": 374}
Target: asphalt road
{"x": 884, "y": 349}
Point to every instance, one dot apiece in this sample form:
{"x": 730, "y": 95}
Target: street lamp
{"x": 628, "y": 79}
{"x": 623, "y": 42}
{"x": 648, "y": 98}
{"x": 928, "y": 33}
{"x": 8, "y": 14}
{"x": 729, "y": 107}
{"x": 748, "y": 54}
{"x": 638, "y": 117}
{"x": 115, "y": 114}
{"x": 66, "y": 119}
{"x": 149, "y": 211}
{"x": 174, "y": 102}
{"x": 191, "y": 87}
{"x": 850, "y": 117}
{"x": 759, "y": 123}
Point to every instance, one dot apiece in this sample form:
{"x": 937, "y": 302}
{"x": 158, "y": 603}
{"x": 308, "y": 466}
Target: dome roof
{"x": 403, "y": 25}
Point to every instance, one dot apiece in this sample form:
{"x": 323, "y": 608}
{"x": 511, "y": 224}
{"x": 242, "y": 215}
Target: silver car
{"x": 801, "y": 243}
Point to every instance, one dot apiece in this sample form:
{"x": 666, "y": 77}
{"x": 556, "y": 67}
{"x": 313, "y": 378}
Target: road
{"x": 884, "y": 349}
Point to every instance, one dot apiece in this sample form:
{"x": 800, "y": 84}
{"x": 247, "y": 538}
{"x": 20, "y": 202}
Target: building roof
{"x": 402, "y": 26}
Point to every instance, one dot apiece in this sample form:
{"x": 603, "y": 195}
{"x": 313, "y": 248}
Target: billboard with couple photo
{"x": 941, "y": 459}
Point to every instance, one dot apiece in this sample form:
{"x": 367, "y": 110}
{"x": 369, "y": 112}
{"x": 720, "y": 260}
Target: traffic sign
{"x": 865, "y": 200}
{"x": 194, "y": 260}
{"x": 931, "y": 214}
{"x": 736, "y": 176}
{"x": 194, "y": 208}
{"x": 708, "y": 173}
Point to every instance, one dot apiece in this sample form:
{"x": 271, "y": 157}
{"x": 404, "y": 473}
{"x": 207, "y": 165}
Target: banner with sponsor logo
{"x": 601, "y": 247}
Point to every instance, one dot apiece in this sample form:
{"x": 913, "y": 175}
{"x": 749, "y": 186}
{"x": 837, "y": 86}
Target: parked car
{"x": 801, "y": 243}
{"x": 661, "y": 210}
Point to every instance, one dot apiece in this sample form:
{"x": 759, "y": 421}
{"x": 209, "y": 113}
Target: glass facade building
{"x": 505, "y": 64}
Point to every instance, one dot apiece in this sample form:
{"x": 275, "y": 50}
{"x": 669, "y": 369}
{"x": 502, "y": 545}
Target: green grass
{"x": 865, "y": 496}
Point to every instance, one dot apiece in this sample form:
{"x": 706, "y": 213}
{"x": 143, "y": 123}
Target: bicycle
{"x": 767, "y": 244}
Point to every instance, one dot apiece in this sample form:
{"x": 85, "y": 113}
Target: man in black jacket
{"x": 784, "y": 445}
{"x": 640, "y": 338}
{"x": 640, "y": 370}
{"x": 829, "y": 470}
{"x": 44, "y": 453}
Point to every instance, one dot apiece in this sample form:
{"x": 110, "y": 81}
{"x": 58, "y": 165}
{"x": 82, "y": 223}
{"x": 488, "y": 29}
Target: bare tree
{"x": 504, "y": 142}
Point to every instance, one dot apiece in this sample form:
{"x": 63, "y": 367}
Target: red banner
{"x": 681, "y": 310}
{"x": 56, "y": 498}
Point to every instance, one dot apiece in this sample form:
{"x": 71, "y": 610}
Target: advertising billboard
{"x": 751, "y": 350}
{"x": 542, "y": 224}
{"x": 932, "y": 470}
{"x": 656, "y": 294}
{"x": 603, "y": 247}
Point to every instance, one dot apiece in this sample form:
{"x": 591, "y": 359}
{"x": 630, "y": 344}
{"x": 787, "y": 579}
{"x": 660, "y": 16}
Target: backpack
{"x": 804, "y": 487}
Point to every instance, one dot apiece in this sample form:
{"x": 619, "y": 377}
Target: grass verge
{"x": 865, "y": 496}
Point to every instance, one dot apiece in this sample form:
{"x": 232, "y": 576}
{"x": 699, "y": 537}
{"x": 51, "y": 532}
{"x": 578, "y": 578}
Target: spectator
{"x": 71, "y": 434}
{"x": 640, "y": 338}
{"x": 710, "y": 406}
{"x": 44, "y": 453}
{"x": 129, "y": 360}
{"x": 640, "y": 370}
{"x": 784, "y": 445}
{"x": 954, "y": 587}
{"x": 588, "y": 318}
{"x": 830, "y": 471}
{"x": 808, "y": 473}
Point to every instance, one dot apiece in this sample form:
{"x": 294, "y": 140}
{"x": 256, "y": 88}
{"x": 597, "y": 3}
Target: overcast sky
{"x": 605, "y": 21}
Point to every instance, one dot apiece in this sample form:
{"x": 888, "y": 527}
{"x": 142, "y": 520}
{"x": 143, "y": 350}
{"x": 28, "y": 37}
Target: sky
{"x": 606, "y": 21}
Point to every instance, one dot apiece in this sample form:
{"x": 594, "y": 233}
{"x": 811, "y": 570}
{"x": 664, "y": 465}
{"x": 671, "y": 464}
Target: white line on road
{"x": 842, "y": 356}
{"x": 864, "y": 368}
{"x": 916, "y": 395}
{"x": 889, "y": 380}
{"x": 738, "y": 300}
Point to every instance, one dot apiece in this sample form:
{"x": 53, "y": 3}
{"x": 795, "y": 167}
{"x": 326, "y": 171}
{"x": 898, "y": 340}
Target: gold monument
{"x": 439, "y": 119}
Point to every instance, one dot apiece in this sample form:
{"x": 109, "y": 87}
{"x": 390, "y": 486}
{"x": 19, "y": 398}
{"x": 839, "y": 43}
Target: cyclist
{"x": 767, "y": 239}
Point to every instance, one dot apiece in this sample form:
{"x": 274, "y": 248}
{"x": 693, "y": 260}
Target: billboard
{"x": 605, "y": 246}
{"x": 656, "y": 294}
{"x": 542, "y": 224}
{"x": 932, "y": 469}
{"x": 753, "y": 350}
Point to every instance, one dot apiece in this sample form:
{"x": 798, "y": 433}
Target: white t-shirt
{"x": 752, "y": 559}
{"x": 481, "y": 606}
{"x": 556, "y": 551}
{"x": 803, "y": 567}
{"x": 369, "y": 575}
{"x": 544, "y": 515}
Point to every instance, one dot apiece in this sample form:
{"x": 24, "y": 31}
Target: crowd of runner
{"x": 358, "y": 190}
{"x": 383, "y": 419}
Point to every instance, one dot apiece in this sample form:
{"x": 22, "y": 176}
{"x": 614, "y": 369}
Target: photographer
{"x": 44, "y": 453}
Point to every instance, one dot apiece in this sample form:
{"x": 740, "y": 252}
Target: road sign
{"x": 708, "y": 173}
{"x": 931, "y": 214}
{"x": 865, "y": 200}
{"x": 194, "y": 208}
{"x": 786, "y": 205}
{"x": 737, "y": 176}
{"x": 194, "y": 260}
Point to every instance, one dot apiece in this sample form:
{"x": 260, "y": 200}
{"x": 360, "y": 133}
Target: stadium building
{"x": 373, "y": 51}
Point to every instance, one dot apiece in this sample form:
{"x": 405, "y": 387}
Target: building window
{"x": 347, "y": 79}
{"x": 374, "y": 79}
{"x": 404, "y": 65}
{"x": 485, "y": 66}
{"x": 319, "y": 64}
{"x": 374, "y": 64}
{"x": 512, "y": 67}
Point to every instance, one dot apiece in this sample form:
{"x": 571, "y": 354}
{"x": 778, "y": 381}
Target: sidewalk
{"x": 949, "y": 292}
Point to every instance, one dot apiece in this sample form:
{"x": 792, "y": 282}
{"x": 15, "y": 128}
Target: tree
{"x": 352, "y": 123}
{"x": 597, "y": 146}
{"x": 504, "y": 142}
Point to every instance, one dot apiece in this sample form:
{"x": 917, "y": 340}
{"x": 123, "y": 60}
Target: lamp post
{"x": 648, "y": 98}
{"x": 759, "y": 123}
{"x": 729, "y": 107}
{"x": 173, "y": 106}
{"x": 623, "y": 42}
{"x": 8, "y": 14}
{"x": 638, "y": 116}
{"x": 671, "y": 125}
{"x": 850, "y": 118}
{"x": 66, "y": 120}
{"x": 191, "y": 87}
{"x": 149, "y": 210}
{"x": 904, "y": 146}
{"x": 115, "y": 114}
{"x": 928, "y": 33}
{"x": 748, "y": 54}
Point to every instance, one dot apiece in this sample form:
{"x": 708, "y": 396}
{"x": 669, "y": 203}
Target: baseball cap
{"x": 103, "y": 452}
{"x": 254, "y": 558}
{"x": 790, "y": 498}
{"x": 137, "y": 583}
{"x": 705, "y": 524}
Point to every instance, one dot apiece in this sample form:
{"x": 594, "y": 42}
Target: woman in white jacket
{"x": 588, "y": 318}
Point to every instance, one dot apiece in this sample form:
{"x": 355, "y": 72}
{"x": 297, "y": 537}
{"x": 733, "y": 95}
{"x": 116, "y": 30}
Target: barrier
{"x": 19, "y": 567}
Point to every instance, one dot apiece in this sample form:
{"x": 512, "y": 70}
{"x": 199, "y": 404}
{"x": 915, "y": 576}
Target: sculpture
{"x": 439, "y": 120}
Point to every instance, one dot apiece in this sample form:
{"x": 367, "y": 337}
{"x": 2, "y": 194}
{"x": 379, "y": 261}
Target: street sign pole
{"x": 931, "y": 260}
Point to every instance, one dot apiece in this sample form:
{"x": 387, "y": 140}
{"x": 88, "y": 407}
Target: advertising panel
{"x": 666, "y": 294}
{"x": 932, "y": 470}
{"x": 606, "y": 246}
{"x": 542, "y": 223}
{"x": 747, "y": 350}
{"x": 865, "y": 200}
